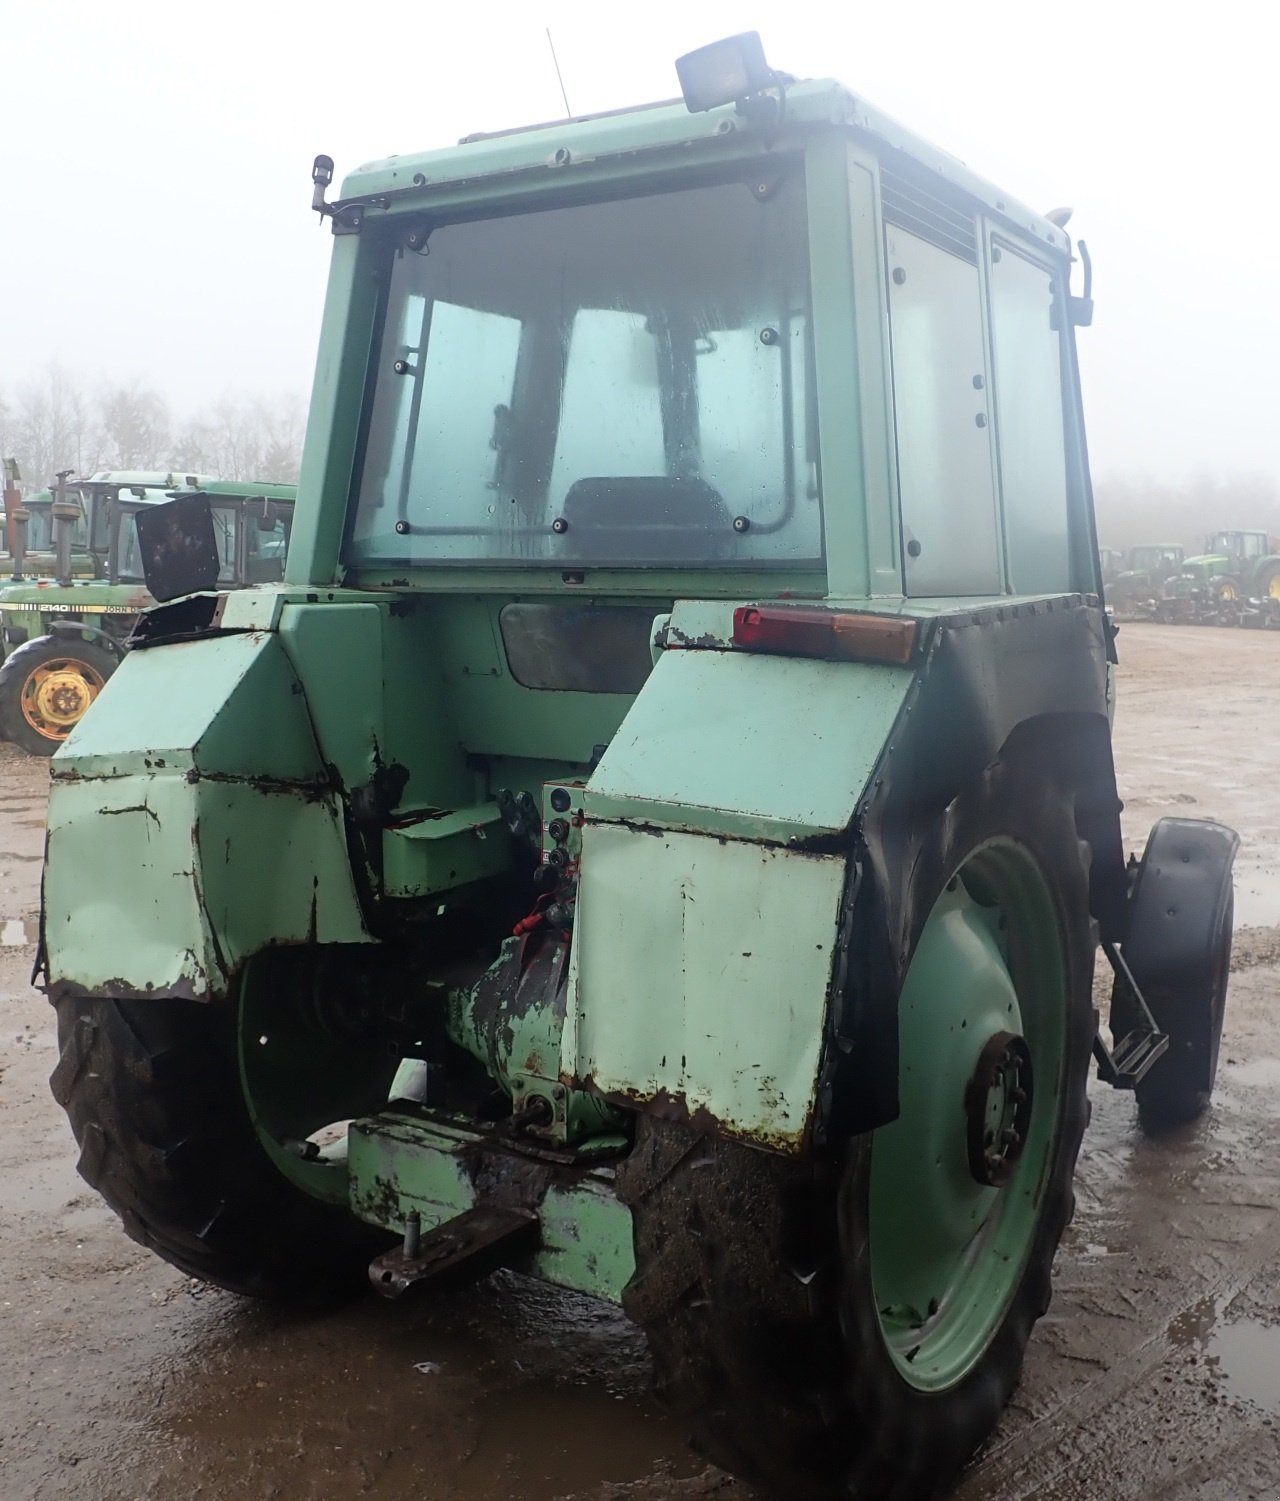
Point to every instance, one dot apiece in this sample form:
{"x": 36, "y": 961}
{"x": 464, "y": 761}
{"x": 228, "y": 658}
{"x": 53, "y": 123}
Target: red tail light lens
{"x": 839, "y": 635}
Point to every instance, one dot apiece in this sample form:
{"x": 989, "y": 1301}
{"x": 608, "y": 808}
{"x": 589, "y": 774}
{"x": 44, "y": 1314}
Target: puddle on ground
{"x": 15, "y": 932}
{"x": 1256, "y": 1073}
{"x": 1257, "y": 898}
{"x": 1243, "y": 1353}
{"x": 548, "y": 1441}
{"x": 1248, "y": 1354}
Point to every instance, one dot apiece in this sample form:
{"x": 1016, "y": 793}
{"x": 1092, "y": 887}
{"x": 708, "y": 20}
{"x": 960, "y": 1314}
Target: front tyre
{"x": 46, "y": 688}
{"x": 855, "y": 1328}
{"x": 1178, "y": 949}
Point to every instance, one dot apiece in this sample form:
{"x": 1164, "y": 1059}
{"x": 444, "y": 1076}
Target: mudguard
{"x": 80, "y": 631}
{"x": 223, "y": 817}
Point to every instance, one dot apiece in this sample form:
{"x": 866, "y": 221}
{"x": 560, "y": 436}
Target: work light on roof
{"x": 724, "y": 72}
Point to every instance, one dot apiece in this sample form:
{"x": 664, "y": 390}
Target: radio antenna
{"x": 559, "y": 76}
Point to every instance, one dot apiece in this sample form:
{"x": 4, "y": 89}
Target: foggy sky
{"x": 155, "y": 172}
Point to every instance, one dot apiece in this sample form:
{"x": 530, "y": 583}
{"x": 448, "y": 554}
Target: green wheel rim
{"x": 948, "y": 1251}
{"x": 307, "y": 1059}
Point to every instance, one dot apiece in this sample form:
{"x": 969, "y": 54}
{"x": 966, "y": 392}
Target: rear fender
{"x": 715, "y": 858}
{"x": 79, "y": 630}
{"x": 192, "y": 823}
{"x": 1026, "y": 681}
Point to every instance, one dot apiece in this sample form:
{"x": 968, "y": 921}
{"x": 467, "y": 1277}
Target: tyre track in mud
{"x": 1114, "y": 1402}
{"x": 1054, "y": 1453}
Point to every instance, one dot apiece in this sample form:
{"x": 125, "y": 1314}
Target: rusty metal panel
{"x": 700, "y": 975}
{"x": 209, "y": 819}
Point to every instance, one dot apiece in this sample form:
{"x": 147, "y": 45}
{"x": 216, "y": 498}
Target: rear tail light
{"x": 835, "y": 634}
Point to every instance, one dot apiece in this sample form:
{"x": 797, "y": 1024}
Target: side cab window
{"x": 946, "y": 485}
{"x": 978, "y": 400}
{"x": 1026, "y": 339}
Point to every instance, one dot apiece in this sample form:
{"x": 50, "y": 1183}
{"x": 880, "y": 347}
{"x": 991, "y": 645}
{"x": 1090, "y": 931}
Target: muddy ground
{"x": 1155, "y": 1374}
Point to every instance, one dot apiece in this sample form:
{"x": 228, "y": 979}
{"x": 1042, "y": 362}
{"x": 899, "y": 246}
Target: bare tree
{"x": 1134, "y": 510}
{"x": 244, "y": 438}
{"x": 135, "y": 428}
{"x": 50, "y": 429}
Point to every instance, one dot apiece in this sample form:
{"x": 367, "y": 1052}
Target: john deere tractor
{"x": 657, "y": 835}
{"x": 1235, "y": 581}
{"x": 1141, "y": 578}
{"x": 63, "y": 632}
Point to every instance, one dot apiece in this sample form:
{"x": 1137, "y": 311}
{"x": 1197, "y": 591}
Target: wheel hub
{"x": 997, "y": 1104}
{"x": 57, "y": 694}
{"x": 62, "y": 697}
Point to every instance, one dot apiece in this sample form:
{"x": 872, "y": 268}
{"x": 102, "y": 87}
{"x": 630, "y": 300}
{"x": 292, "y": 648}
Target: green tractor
{"x": 1142, "y": 577}
{"x": 657, "y": 835}
{"x": 1235, "y": 581}
{"x": 28, "y": 537}
{"x": 61, "y": 637}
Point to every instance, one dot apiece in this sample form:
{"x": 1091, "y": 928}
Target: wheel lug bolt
{"x": 1010, "y": 1137}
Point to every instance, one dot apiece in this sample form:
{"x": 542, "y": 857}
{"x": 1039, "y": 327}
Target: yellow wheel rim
{"x": 56, "y": 695}
{"x": 1273, "y": 586}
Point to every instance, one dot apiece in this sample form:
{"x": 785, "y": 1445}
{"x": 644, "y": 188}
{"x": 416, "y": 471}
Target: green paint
{"x": 399, "y": 1162}
{"x": 948, "y": 1251}
{"x": 327, "y": 767}
{"x": 521, "y": 1048}
{"x": 753, "y": 746}
{"x": 215, "y": 815}
{"x": 605, "y": 149}
{"x": 438, "y": 854}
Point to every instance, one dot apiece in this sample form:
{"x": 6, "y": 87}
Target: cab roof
{"x": 169, "y": 480}
{"x": 151, "y": 479}
{"x": 246, "y": 489}
{"x": 645, "y": 130}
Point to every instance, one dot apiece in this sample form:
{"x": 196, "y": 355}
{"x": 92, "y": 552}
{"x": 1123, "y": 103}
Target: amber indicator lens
{"x": 834, "y": 634}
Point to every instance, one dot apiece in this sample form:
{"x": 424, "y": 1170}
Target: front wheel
{"x": 854, "y": 1328}
{"x": 1178, "y": 949}
{"x": 46, "y": 688}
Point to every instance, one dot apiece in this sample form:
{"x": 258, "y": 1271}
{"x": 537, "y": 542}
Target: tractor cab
{"x": 1242, "y": 548}
{"x": 250, "y": 524}
{"x": 657, "y": 832}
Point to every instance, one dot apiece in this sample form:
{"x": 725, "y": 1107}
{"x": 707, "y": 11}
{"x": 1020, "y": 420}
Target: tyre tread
{"x": 195, "y": 1185}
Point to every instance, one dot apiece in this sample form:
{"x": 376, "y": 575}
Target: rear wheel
{"x": 46, "y": 688}
{"x": 197, "y": 1123}
{"x": 856, "y": 1328}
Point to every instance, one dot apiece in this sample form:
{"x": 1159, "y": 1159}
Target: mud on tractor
{"x": 63, "y": 633}
{"x": 657, "y": 835}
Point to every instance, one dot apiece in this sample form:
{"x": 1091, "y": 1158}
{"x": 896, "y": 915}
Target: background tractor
{"x": 657, "y": 833}
{"x": 1235, "y": 581}
{"x": 61, "y": 637}
{"x": 1142, "y": 576}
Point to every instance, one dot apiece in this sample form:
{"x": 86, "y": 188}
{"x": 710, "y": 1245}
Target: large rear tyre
{"x": 46, "y": 688}
{"x": 855, "y": 1328}
{"x": 203, "y": 1153}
